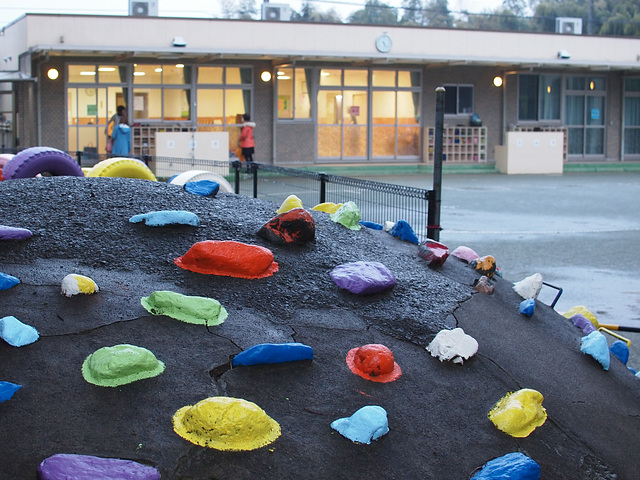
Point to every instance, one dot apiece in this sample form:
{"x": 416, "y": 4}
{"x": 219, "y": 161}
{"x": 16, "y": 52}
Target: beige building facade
{"x": 319, "y": 93}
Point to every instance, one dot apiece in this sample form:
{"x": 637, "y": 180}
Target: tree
{"x": 546, "y": 12}
{"x": 413, "y": 13}
{"x": 375, "y": 13}
{"x": 623, "y": 20}
{"x": 309, "y": 13}
{"x": 499, "y": 19}
{"x": 438, "y": 15}
{"x": 247, "y": 9}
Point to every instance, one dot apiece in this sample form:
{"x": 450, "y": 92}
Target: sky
{"x": 12, "y": 9}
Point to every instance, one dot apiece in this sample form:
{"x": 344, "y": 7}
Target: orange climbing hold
{"x": 228, "y": 258}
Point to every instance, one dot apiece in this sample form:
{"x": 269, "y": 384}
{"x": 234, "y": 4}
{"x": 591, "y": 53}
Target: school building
{"x": 319, "y": 93}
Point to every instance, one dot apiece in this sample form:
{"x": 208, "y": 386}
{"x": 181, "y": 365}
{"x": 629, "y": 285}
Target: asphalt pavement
{"x": 580, "y": 231}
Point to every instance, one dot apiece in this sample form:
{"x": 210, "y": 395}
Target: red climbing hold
{"x": 228, "y": 258}
{"x": 435, "y": 253}
{"x": 374, "y": 362}
{"x": 295, "y": 226}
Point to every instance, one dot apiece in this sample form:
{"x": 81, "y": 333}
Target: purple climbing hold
{"x": 515, "y": 466}
{"x": 7, "y": 281}
{"x": 403, "y": 231}
{"x": 527, "y": 307}
{"x": 204, "y": 188}
{"x": 363, "y": 278}
{"x": 435, "y": 253}
{"x": 273, "y": 353}
{"x": 14, "y": 233}
{"x": 63, "y": 466}
{"x": 7, "y": 389}
{"x": 583, "y": 323}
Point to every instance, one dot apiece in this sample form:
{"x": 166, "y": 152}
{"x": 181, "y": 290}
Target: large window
{"x": 294, "y": 100}
{"x": 585, "y": 114}
{"x": 539, "y": 97}
{"x": 458, "y": 99}
{"x": 364, "y": 112}
{"x": 632, "y": 116}
{"x": 161, "y": 92}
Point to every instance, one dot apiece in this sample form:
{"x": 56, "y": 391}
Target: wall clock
{"x": 383, "y": 43}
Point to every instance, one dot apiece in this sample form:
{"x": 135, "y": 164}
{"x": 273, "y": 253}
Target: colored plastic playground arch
{"x": 41, "y": 160}
{"x": 123, "y": 168}
{"x": 196, "y": 175}
{"x": 4, "y": 158}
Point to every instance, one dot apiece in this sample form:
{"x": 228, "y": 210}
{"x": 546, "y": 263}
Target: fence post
{"x": 254, "y": 172}
{"x": 433, "y": 215}
{"x": 236, "y": 182}
{"x": 323, "y": 187}
{"x": 79, "y": 157}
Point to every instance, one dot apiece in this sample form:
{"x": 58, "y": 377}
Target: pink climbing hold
{"x": 465, "y": 254}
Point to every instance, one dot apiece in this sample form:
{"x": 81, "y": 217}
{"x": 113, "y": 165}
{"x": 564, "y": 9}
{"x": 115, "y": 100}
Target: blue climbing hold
{"x": 166, "y": 217}
{"x": 371, "y": 225}
{"x": 368, "y": 423}
{"x": 273, "y": 353}
{"x": 512, "y": 466}
{"x": 403, "y": 231}
{"x": 16, "y": 333}
{"x": 595, "y": 344}
{"x": 620, "y": 351}
{"x": 7, "y": 281}
{"x": 7, "y": 389}
{"x": 527, "y": 307}
{"x": 204, "y": 188}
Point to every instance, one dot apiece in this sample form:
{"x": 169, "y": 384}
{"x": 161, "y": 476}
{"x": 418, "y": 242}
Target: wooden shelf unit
{"x": 459, "y": 144}
{"x": 146, "y": 134}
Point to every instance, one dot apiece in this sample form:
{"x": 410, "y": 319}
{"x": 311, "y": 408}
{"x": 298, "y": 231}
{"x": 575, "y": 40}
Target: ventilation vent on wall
{"x": 143, "y": 9}
{"x": 276, "y": 12}
{"x": 571, "y": 26}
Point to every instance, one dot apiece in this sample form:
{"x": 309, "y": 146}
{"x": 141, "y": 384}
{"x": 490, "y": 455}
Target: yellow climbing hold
{"x": 328, "y": 207}
{"x": 74, "y": 284}
{"x": 289, "y": 203}
{"x": 519, "y": 413}
{"x": 226, "y": 423}
{"x": 582, "y": 310}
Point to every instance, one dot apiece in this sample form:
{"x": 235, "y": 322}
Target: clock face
{"x": 383, "y": 43}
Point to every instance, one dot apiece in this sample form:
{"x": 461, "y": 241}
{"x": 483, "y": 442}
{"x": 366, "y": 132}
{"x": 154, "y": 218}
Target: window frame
{"x": 457, "y": 86}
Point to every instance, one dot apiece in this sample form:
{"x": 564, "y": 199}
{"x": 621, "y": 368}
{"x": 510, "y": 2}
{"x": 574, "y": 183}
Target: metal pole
{"x": 323, "y": 187}
{"x": 433, "y": 215}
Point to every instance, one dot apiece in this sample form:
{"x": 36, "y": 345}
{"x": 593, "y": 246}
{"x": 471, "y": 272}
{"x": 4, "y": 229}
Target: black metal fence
{"x": 377, "y": 201}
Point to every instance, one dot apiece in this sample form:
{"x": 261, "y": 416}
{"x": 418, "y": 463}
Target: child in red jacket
{"x": 246, "y": 141}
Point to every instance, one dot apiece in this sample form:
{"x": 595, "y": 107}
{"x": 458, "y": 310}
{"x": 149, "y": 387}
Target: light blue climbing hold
{"x": 527, "y": 307}
{"x": 273, "y": 353}
{"x": 403, "y": 231}
{"x": 166, "y": 217}
{"x": 367, "y": 424}
{"x": 16, "y": 333}
{"x": 620, "y": 351}
{"x": 7, "y": 281}
{"x": 7, "y": 389}
{"x": 204, "y": 188}
{"x": 595, "y": 344}
{"x": 371, "y": 225}
{"x": 512, "y": 466}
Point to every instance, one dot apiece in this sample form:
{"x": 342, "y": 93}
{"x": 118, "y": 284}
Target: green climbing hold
{"x": 189, "y": 309}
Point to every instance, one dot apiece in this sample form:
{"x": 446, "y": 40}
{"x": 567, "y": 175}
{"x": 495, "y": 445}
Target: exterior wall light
{"x": 53, "y": 74}
{"x": 265, "y": 76}
{"x": 497, "y": 81}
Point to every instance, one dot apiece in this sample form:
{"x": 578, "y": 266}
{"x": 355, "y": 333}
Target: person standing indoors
{"x": 113, "y": 122}
{"x": 122, "y": 138}
{"x": 246, "y": 140}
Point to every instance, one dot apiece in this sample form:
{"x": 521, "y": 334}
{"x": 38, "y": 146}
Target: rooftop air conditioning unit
{"x": 148, "y": 8}
{"x": 571, "y": 26}
{"x": 276, "y": 12}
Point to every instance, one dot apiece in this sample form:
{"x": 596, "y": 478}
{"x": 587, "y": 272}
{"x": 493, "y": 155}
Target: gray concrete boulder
{"x": 437, "y": 411}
